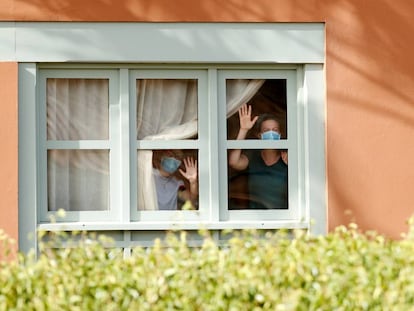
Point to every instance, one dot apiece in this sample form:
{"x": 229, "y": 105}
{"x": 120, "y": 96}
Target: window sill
{"x": 139, "y": 226}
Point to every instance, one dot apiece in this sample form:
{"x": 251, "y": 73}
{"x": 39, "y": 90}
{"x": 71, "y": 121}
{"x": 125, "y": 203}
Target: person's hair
{"x": 159, "y": 154}
{"x": 265, "y": 117}
{"x": 175, "y": 153}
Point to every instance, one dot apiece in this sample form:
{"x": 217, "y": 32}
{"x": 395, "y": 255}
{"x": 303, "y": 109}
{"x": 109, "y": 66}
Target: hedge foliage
{"x": 344, "y": 270}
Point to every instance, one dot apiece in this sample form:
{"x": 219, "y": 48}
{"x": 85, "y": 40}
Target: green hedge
{"x": 345, "y": 270}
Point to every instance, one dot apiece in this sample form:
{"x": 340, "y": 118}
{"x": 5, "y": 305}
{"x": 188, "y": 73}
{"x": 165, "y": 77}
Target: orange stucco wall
{"x": 8, "y": 154}
{"x": 369, "y": 80}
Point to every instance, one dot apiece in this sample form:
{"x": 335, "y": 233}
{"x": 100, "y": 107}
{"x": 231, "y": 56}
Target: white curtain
{"x": 78, "y": 109}
{"x": 167, "y": 109}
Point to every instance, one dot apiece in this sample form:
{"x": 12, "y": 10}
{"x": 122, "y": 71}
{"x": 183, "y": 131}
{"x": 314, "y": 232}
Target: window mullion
{"x": 215, "y": 187}
{"x": 124, "y": 147}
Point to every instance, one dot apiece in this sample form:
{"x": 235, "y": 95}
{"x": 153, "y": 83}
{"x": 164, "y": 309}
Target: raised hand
{"x": 245, "y": 115}
{"x": 190, "y": 172}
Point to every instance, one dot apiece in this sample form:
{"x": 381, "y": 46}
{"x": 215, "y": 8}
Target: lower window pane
{"x": 167, "y": 180}
{"x": 263, "y": 184}
{"x": 78, "y": 180}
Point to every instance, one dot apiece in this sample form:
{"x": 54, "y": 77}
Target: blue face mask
{"x": 270, "y": 135}
{"x": 170, "y": 165}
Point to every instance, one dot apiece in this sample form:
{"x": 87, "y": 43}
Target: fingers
{"x": 190, "y": 171}
{"x": 241, "y": 114}
{"x": 255, "y": 119}
{"x": 245, "y": 116}
{"x": 189, "y": 162}
{"x": 245, "y": 110}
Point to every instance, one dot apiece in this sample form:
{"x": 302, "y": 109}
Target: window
{"x": 262, "y": 191}
{"x": 94, "y": 136}
{"x": 78, "y": 153}
{"x": 103, "y": 135}
{"x": 165, "y": 117}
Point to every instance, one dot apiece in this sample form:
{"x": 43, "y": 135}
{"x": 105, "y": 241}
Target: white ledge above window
{"x": 162, "y": 42}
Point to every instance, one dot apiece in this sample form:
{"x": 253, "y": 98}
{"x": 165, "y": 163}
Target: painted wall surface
{"x": 369, "y": 97}
{"x": 8, "y": 154}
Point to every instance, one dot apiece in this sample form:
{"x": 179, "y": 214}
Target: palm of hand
{"x": 246, "y": 122}
{"x": 190, "y": 172}
{"x": 245, "y": 116}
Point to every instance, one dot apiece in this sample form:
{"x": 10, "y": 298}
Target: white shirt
{"x": 167, "y": 190}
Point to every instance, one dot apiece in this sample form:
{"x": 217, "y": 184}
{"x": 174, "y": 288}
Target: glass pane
{"x": 166, "y": 109}
{"x": 78, "y": 180}
{"x": 167, "y": 179}
{"x": 258, "y": 179}
{"x": 267, "y": 99}
{"x": 77, "y": 109}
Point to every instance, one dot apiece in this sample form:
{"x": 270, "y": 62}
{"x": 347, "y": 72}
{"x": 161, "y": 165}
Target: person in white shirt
{"x": 169, "y": 187}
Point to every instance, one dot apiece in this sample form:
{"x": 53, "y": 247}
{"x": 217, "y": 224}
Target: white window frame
{"x": 294, "y": 127}
{"x": 258, "y": 46}
{"x": 111, "y": 145}
{"x": 199, "y": 144}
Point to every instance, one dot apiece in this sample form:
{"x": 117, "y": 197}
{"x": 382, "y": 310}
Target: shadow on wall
{"x": 370, "y": 74}
{"x": 169, "y": 11}
{"x": 369, "y": 70}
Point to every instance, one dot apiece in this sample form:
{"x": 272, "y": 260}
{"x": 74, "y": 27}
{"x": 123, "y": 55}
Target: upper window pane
{"x": 77, "y": 109}
{"x": 167, "y": 109}
{"x": 266, "y": 97}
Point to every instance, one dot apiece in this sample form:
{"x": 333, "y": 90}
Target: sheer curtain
{"x": 167, "y": 109}
{"x": 77, "y": 109}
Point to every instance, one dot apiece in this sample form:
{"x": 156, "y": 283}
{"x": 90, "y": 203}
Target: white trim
{"x": 166, "y": 144}
{"x": 294, "y": 129}
{"x": 156, "y": 47}
{"x": 259, "y": 144}
{"x": 199, "y": 144}
{"x": 44, "y": 145}
{"x": 7, "y": 41}
{"x": 314, "y": 97}
{"x": 179, "y": 225}
{"x": 147, "y": 42}
{"x": 310, "y": 141}
{"x": 77, "y": 144}
{"x": 123, "y": 126}
{"x": 213, "y": 170}
{"x": 28, "y": 179}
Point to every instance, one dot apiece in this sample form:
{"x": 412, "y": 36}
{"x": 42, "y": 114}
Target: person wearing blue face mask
{"x": 267, "y": 170}
{"x": 169, "y": 188}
